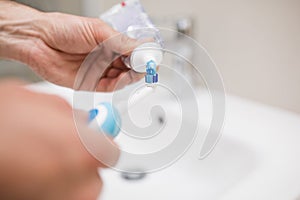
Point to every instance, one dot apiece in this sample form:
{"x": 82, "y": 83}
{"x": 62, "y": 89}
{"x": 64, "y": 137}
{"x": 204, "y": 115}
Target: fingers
{"x": 118, "y": 42}
{"x": 114, "y": 72}
{"x": 109, "y": 84}
{"x": 123, "y": 44}
{"x": 127, "y": 78}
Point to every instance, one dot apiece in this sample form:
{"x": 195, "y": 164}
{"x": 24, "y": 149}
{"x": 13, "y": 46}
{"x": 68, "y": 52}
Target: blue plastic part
{"x": 155, "y": 78}
{"x": 112, "y": 123}
{"x": 148, "y": 78}
{"x": 93, "y": 114}
{"x": 151, "y": 75}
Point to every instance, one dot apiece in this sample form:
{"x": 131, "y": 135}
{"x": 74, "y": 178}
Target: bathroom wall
{"x": 67, "y": 6}
{"x": 255, "y": 43}
{"x": 16, "y": 69}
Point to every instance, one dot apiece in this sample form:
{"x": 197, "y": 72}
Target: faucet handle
{"x": 185, "y": 26}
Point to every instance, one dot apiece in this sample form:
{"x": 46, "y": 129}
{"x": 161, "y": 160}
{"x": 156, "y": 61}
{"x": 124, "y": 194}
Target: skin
{"x": 54, "y": 45}
{"x": 41, "y": 155}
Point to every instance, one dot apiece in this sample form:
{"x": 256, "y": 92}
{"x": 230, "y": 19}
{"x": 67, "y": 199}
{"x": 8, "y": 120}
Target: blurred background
{"x": 255, "y": 43}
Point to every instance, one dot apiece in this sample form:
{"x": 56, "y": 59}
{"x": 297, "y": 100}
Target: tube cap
{"x": 145, "y": 53}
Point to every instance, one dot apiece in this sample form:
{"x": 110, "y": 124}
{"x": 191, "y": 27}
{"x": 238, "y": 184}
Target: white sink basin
{"x": 258, "y": 157}
{"x": 189, "y": 178}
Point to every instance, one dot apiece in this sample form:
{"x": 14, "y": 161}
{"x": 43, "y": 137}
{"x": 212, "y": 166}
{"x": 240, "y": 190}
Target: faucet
{"x": 180, "y": 62}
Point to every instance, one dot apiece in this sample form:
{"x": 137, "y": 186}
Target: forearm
{"x": 19, "y": 24}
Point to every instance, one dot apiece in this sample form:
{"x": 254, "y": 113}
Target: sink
{"x": 257, "y": 157}
{"x": 188, "y": 178}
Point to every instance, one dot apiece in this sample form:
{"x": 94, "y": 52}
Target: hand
{"x": 41, "y": 155}
{"x": 54, "y": 45}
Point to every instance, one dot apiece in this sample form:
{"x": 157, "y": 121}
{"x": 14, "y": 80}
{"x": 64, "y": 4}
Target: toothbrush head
{"x": 105, "y": 118}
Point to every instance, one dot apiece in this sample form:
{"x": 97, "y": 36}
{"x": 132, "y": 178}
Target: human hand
{"x": 54, "y": 45}
{"x": 41, "y": 155}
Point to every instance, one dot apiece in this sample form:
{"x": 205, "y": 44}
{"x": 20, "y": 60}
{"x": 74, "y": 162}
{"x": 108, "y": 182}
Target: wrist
{"x": 20, "y": 28}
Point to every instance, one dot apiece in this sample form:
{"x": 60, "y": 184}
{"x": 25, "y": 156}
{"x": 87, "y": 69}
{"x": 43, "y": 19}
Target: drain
{"x": 131, "y": 176}
{"x": 161, "y": 120}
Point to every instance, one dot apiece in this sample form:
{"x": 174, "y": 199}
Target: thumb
{"x": 118, "y": 42}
